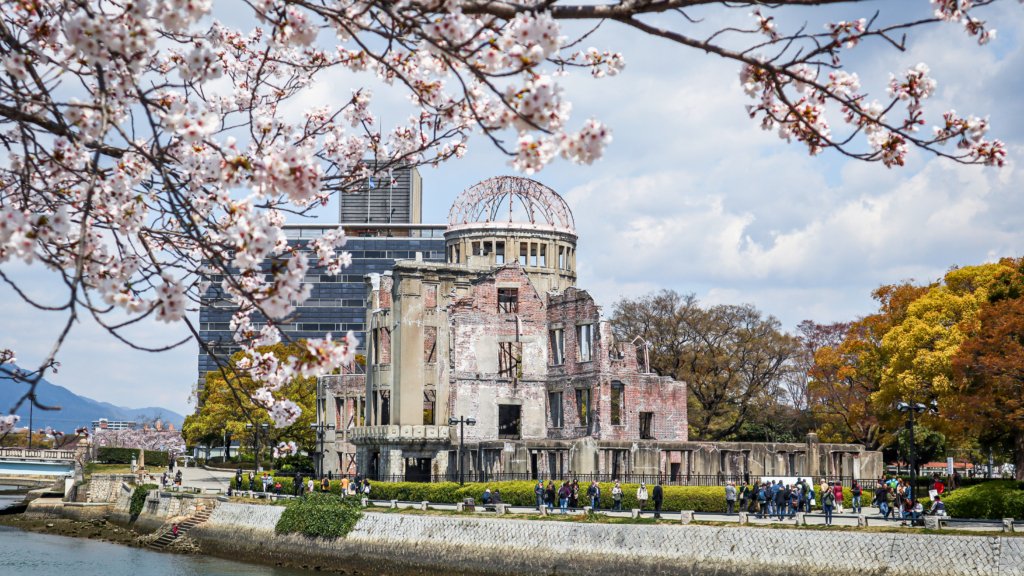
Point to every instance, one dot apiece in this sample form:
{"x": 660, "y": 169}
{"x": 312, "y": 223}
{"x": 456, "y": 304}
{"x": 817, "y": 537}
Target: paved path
{"x": 205, "y": 479}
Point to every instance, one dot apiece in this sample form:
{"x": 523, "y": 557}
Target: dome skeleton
{"x": 484, "y": 201}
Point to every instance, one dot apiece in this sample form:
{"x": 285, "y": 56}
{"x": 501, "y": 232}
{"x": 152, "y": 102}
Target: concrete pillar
{"x": 423, "y": 505}
{"x": 500, "y": 509}
{"x": 801, "y": 519}
{"x": 394, "y": 503}
{"x": 743, "y": 518}
{"x": 932, "y": 523}
{"x": 1007, "y": 524}
{"x": 460, "y": 507}
{"x": 685, "y": 516}
{"x": 364, "y": 502}
{"x": 634, "y": 513}
{"x": 587, "y": 510}
{"x": 862, "y": 521}
{"x": 543, "y": 510}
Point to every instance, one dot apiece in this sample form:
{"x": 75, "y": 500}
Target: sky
{"x": 691, "y": 195}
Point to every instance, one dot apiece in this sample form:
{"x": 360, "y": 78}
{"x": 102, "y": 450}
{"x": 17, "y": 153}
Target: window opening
{"x": 533, "y": 254}
{"x": 476, "y": 249}
{"x": 617, "y": 403}
{"x": 508, "y": 300}
{"x": 508, "y": 421}
{"x": 523, "y": 247}
{"x": 583, "y": 405}
{"x": 385, "y": 407}
{"x": 647, "y": 425}
{"x": 555, "y": 407}
{"x": 557, "y": 338}
{"x": 543, "y": 255}
{"x": 584, "y": 342}
{"x": 509, "y": 357}
{"x": 429, "y": 399}
{"x": 430, "y": 344}
{"x": 499, "y": 252}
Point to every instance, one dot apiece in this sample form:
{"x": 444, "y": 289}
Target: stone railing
{"x": 394, "y": 433}
{"x": 37, "y": 454}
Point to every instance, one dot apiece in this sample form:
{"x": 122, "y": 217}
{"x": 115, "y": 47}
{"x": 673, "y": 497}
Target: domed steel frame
{"x": 488, "y": 200}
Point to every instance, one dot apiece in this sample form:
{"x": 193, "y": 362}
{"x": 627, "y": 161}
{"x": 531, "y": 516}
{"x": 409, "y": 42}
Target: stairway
{"x": 165, "y": 539}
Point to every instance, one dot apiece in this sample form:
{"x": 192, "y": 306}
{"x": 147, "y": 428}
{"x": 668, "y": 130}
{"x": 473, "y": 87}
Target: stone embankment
{"x": 386, "y": 543}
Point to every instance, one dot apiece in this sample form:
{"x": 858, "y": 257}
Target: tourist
{"x": 617, "y": 497}
{"x": 563, "y": 496}
{"x": 794, "y": 500}
{"x": 779, "y": 500}
{"x": 855, "y": 493}
{"x": 344, "y": 486}
{"x": 658, "y": 497}
{"x": 574, "y": 494}
{"x": 297, "y": 484}
{"x": 937, "y": 507}
{"x": 496, "y": 497}
{"x": 238, "y": 478}
{"x": 325, "y": 484}
{"x": 550, "y": 495}
{"x": 594, "y": 495}
{"x": 538, "y": 492}
{"x": 277, "y": 487}
{"x": 641, "y": 496}
{"x": 762, "y": 500}
{"x": 252, "y": 481}
{"x": 809, "y": 504}
{"x": 366, "y": 487}
{"x": 730, "y": 497}
{"x": 265, "y": 481}
{"x": 177, "y": 478}
{"x": 163, "y": 479}
{"x": 937, "y": 484}
{"x": 486, "y": 498}
{"x": 310, "y": 485}
{"x": 828, "y": 499}
{"x": 890, "y": 501}
{"x": 838, "y": 489}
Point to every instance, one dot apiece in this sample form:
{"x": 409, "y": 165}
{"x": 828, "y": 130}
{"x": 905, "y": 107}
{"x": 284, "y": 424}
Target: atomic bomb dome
{"x": 509, "y": 219}
{"x": 509, "y": 200}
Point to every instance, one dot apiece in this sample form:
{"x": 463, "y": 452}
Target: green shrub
{"x": 320, "y": 515}
{"x": 138, "y": 500}
{"x": 110, "y": 455}
{"x": 993, "y": 500}
{"x": 294, "y": 463}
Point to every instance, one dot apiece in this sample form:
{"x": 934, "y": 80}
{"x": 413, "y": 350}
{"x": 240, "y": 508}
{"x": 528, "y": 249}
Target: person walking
{"x": 594, "y": 493}
{"x": 238, "y": 478}
{"x": 574, "y": 494}
{"x": 744, "y": 497}
{"x": 828, "y": 499}
{"x": 762, "y": 501}
{"x": 730, "y": 497}
{"x": 658, "y": 498}
{"x": 809, "y": 504}
{"x": 538, "y": 492}
{"x": 549, "y": 495}
{"x": 780, "y": 502}
{"x": 641, "y": 496}
{"x": 855, "y": 494}
{"x": 617, "y": 497}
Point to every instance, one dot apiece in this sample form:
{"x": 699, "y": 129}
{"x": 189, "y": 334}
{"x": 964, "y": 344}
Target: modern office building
{"x": 390, "y": 231}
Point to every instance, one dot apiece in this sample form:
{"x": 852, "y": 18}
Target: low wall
{"x": 414, "y": 544}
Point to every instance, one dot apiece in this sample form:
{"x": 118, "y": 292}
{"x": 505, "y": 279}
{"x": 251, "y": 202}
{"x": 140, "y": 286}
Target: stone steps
{"x": 168, "y": 537}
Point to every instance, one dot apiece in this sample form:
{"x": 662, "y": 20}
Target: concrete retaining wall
{"x": 405, "y": 543}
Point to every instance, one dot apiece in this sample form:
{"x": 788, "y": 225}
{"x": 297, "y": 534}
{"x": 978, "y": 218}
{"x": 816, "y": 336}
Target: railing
{"x": 665, "y": 479}
{"x": 37, "y": 454}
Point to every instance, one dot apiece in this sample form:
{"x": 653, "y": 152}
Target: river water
{"x": 32, "y": 554}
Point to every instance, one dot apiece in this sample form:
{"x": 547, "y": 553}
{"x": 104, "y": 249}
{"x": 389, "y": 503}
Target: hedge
{"x": 138, "y": 499}
{"x": 110, "y": 455}
{"x": 319, "y": 515}
{"x": 993, "y": 500}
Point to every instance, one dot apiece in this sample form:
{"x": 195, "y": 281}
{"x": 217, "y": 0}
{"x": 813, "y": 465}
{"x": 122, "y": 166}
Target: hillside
{"x": 75, "y": 410}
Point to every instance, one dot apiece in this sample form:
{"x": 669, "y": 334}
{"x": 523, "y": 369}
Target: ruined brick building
{"x": 500, "y": 333}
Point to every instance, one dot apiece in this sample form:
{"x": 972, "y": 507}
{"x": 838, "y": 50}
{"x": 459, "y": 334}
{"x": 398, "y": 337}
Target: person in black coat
{"x": 658, "y": 497}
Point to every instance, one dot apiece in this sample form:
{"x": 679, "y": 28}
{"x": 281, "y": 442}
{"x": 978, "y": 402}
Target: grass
{"x": 97, "y": 468}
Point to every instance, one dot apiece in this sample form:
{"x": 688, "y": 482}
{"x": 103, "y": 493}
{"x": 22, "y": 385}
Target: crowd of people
{"x": 567, "y": 496}
{"x": 268, "y": 484}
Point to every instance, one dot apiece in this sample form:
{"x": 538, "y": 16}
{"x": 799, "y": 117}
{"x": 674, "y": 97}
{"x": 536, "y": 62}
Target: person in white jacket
{"x": 641, "y": 495}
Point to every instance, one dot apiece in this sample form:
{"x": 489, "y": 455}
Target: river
{"x": 33, "y": 554}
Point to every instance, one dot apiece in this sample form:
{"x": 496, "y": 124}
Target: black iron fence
{"x": 665, "y": 479}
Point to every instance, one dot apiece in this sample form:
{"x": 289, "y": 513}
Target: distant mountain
{"x": 75, "y": 410}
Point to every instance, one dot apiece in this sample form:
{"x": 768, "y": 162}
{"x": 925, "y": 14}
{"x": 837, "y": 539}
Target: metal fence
{"x": 665, "y": 479}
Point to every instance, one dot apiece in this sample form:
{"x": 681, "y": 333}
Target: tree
{"x": 730, "y": 357}
{"x": 989, "y": 368}
{"x": 844, "y": 376}
{"x": 150, "y": 148}
{"x": 226, "y": 408}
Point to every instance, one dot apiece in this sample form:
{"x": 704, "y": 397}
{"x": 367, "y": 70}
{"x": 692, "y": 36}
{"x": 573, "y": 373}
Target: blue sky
{"x": 693, "y": 196}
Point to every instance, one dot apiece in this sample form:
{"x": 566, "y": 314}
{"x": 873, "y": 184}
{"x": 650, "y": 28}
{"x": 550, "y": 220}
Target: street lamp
{"x": 911, "y": 409}
{"x": 256, "y": 442}
{"x": 320, "y": 430}
{"x": 461, "y": 421}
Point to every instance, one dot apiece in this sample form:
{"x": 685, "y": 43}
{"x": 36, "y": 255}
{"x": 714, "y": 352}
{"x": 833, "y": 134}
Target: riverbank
{"x": 429, "y": 544}
{"x": 95, "y": 530}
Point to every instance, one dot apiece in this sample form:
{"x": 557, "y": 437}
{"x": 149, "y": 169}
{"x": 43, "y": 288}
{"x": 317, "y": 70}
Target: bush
{"x": 320, "y": 515}
{"x": 294, "y": 463}
{"x": 993, "y": 500}
{"x": 138, "y": 500}
{"x": 109, "y": 455}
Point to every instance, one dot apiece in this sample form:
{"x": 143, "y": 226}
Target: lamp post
{"x": 461, "y": 421}
{"x": 320, "y": 430}
{"x": 256, "y": 442}
{"x": 911, "y": 409}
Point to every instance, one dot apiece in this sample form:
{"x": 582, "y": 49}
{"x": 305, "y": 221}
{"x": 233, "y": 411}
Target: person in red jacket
{"x": 937, "y": 484}
{"x": 837, "y": 489}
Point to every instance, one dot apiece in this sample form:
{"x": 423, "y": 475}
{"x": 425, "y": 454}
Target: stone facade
{"x": 499, "y": 334}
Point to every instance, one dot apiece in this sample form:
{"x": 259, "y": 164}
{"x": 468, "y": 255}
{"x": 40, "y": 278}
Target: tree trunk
{"x": 1018, "y": 454}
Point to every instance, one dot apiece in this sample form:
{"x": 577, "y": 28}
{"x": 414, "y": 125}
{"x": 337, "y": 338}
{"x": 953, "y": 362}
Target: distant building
{"x": 382, "y": 224}
{"x": 105, "y": 424}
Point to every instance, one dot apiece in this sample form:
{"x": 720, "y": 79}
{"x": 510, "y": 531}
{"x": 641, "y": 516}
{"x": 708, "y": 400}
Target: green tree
{"x": 226, "y": 405}
{"x": 731, "y": 357}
